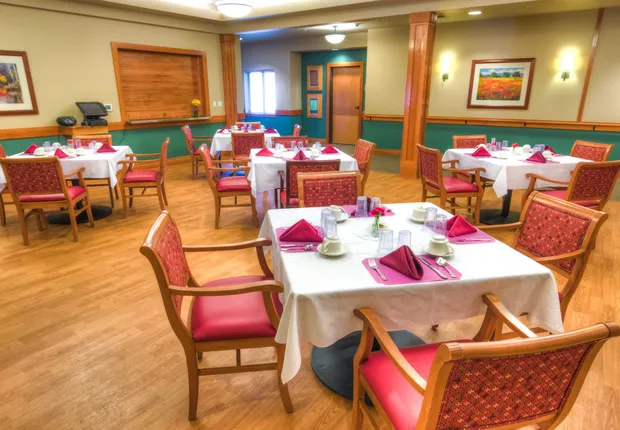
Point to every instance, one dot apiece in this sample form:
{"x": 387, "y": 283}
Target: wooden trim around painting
{"x": 586, "y": 80}
{"x": 507, "y": 60}
{"x": 330, "y": 67}
{"x": 382, "y": 117}
{"x": 319, "y": 86}
{"x": 319, "y": 97}
{"x": 33, "y": 97}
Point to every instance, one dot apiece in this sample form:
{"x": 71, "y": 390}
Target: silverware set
{"x": 298, "y": 247}
{"x": 473, "y": 240}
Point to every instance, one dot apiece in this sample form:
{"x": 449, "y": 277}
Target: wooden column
{"x": 421, "y": 39}
{"x": 227, "y": 42}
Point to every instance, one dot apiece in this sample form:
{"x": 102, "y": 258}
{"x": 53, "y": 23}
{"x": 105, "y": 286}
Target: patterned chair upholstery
{"x": 591, "y": 150}
{"x": 463, "y": 183}
{"x": 287, "y": 141}
{"x": 243, "y": 143}
{"x": 591, "y": 184}
{"x": 474, "y": 385}
{"x": 221, "y": 317}
{"x": 296, "y": 130}
{"x": 253, "y": 125}
{"x": 363, "y": 156}
{"x": 465, "y": 142}
{"x": 325, "y": 189}
{"x": 190, "y": 144}
{"x": 289, "y": 189}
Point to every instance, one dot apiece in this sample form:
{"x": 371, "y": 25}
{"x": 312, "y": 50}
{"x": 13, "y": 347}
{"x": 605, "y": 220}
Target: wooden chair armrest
{"x": 229, "y": 246}
{"x": 500, "y": 227}
{"x": 560, "y": 258}
{"x": 271, "y": 286}
{"x": 452, "y": 163}
{"x": 542, "y": 178}
{"x": 132, "y": 162}
{"x": 229, "y": 169}
{"x": 390, "y": 349}
{"x": 500, "y": 311}
{"x": 75, "y": 172}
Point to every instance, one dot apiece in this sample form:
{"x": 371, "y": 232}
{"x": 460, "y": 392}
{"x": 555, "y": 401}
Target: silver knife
{"x": 426, "y": 263}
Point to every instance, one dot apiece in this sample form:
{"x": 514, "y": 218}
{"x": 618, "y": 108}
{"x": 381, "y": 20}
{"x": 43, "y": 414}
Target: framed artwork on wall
{"x": 314, "y": 81}
{"x": 501, "y": 84}
{"x": 314, "y": 106}
{"x": 16, "y": 89}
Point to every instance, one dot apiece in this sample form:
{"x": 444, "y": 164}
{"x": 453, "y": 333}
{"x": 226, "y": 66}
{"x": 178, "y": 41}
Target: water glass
{"x": 317, "y": 145}
{"x": 386, "y": 242}
{"x": 375, "y": 202}
{"x": 92, "y": 145}
{"x": 47, "y": 146}
{"x": 404, "y": 238}
{"x": 78, "y": 143}
{"x": 440, "y": 224}
{"x": 324, "y": 214}
{"x": 429, "y": 219}
{"x": 361, "y": 209}
{"x": 63, "y": 148}
{"x": 505, "y": 145}
{"x": 331, "y": 227}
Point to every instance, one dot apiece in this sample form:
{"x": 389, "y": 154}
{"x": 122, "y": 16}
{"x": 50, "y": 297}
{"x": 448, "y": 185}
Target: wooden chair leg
{"x": 111, "y": 193}
{"x": 163, "y": 189}
{"x": 89, "y": 212}
{"x": 131, "y": 197}
{"x": 41, "y": 222}
{"x": 469, "y": 204}
{"x": 477, "y": 209}
{"x": 276, "y": 197}
{"x": 199, "y": 355}
{"x": 116, "y": 191}
{"x": 442, "y": 202}
{"x": 192, "y": 375}
{"x": 74, "y": 227}
{"x": 160, "y": 197}
{"x": 453, "y": 203}
{"x": 124, "y": 197}
{"x": 218, "y": 208}
{"x": 284, "y": 394}
{"x": 24, "y": 227}
{"x": 358, "y": 396}
{"x": 254, "y": 215}
{"x": 2, "y": 212}
{"x": 423, "y": 194}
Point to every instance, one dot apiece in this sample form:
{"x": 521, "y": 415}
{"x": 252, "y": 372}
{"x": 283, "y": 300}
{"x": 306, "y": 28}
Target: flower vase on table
{"x": 376, "y": 225}
{"x": 195, "y": 107}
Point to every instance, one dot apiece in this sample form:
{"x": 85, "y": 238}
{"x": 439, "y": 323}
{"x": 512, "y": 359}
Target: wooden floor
{"x": 85, "y": 343}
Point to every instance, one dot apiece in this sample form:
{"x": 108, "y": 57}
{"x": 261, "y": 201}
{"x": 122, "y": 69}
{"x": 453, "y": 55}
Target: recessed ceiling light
{"x": 335, "y": 37}
{"x": 234, "y": 9}
{"x": 474, "y": 12}
{"x": 241, "y": 38}
{"x": 334, "y": 49}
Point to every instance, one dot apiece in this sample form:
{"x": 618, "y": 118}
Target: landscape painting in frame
{"x": 501, "y": 84}
{"x": 16, "y": 89}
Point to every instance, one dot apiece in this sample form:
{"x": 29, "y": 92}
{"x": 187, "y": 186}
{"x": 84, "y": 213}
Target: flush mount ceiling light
{"x": 474, "y": 12}
{"x": 335, "y": 37}
{"x": 234, "y": 9}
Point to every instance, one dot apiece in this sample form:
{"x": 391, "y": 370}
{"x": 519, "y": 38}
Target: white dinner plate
{"x": 342, "y": 252}
{"x": 278, "y": 154}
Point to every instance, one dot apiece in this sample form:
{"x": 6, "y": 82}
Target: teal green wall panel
{"x": 314, "y": 127}
{"x": 283, "y": 123}
{"x": 386, "y": 135}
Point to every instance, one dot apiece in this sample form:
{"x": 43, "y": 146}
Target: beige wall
{"x": 69, "y": 65}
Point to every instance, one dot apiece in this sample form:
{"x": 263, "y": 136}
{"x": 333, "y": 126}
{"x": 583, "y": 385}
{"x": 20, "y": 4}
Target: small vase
{"x": 374, "y": 229}
{"x": 195, "y": 112}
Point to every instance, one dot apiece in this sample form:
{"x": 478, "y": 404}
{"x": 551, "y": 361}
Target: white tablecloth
{"x": 509, "y": 174}
{"x": 97, "y": 166}
{"x": 223, "y": 142}
{"x": 264, "y": 172}
{"x": 320, "y": 294}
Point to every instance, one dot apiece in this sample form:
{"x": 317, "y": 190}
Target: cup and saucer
{"x": 438, "y": 246}
{"x": 39, "y": 152}
{"x": 332, "y": 247}
{"x": 418, "y": 214}
{"x": 339, "y": 213}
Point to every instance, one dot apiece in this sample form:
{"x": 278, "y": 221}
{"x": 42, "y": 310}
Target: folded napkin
{"x": 300, "y": 156}
{"x": 537, "y": 157}
{"x": 481, "y": 152}
{"x": 106, "y": 148}
{"x": 549, "y": 148}
{"x": 31, "y": 149}
{"x": 329, "y": 149}
{"x": 223, "y": 129}
{"x": 60, "y": 153}
{"x": 301, "y": 231}
{"x": 265, "y": 152}
{"x": 271, "y": 130}
{"x": 404, "y": 261}
{"x": 458, "y": 225}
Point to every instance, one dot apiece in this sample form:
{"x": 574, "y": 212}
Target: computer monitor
{"x": 92, "y": 109}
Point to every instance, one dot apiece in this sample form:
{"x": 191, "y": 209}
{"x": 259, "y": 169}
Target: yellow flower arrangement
{"x": 195, "y": 103}
{"x": 4, "y": 80}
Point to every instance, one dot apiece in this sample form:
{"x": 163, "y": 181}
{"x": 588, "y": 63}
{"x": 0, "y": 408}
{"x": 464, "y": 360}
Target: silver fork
{"x": 373, "y": 265}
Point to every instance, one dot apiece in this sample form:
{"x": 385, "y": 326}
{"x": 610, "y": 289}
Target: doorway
{"x": 345, "y": 86}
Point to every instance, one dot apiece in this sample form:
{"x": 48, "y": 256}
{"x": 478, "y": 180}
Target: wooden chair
{"x": 591, "y": 150}
{"x": 289, "y": 190}
{"x": 464, "y": 183}
{"x": 591, "y": 184}
{"x": 132, "y": 178}
{"x": 3, "y": 191}
{"x": 325, "y": 189}
{"x": 229, "y": 314}
{"x": 253, "y": 125}
{"x": 98, "y": 182}
{"x": 232, "y": 186}
{"x": 287, "y": 141}
{"x": 466, "y": 385}
{"x": 465, "y": 142}
{"x": 37, "y": 184}
{"x": 296, "y": 130}
{"x": 363, "y": 156}
{"x": 190, "y": 141}
{"x": 243, "y": 143}
{"x": 557, "y": 234}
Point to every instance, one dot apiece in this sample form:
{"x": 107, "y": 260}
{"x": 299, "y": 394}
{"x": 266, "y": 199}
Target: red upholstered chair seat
{"x": 240, "y": 316}
{"x": 294, "y": 201}
{"x": 401, "y": 402}
{"x": 561, "y": 194}
{"x": 196, "y": 152}
{"x": 74, "y": 192}
{"x": 141, "y": 176}
{"x": 455, "y": 185}
{"x": 233, "y": 183}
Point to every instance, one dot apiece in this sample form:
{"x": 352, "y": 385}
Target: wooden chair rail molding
{"x": 382, "y": 117}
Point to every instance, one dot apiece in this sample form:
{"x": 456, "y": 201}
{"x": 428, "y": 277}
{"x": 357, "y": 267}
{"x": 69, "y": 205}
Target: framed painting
{"x": 314, "y": 106}
{"x": 16, "y": 89}
{"x": 314, "y": 81}
{"x": 501, "y": 84}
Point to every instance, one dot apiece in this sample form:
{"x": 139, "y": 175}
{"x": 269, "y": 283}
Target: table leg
{"x": 503, "y": 216}
{"x": 333, "y": 365}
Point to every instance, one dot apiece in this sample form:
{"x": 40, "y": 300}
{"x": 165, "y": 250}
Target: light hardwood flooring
{"x": 85, "y": 343}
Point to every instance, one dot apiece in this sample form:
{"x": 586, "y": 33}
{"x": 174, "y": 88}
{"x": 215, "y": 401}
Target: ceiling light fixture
{"x": 234, "y": 9}
{"x": 335, "y": 37}
{"x": 474, "y": 12}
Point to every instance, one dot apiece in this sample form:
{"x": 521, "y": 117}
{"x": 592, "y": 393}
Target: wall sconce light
{"x": 567, "y": 64}
{"x": 444, "y": 77}
{"x": 565, "y": 75}
{"x": 444, "y": 66}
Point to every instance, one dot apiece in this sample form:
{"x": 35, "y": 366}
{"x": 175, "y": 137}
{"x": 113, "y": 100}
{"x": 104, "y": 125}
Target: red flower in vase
{"x": 377, "y": 212}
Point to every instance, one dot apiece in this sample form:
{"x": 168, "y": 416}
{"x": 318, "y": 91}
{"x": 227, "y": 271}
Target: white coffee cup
{"x": 55, "y": 145}
{"x": 80, "y": 151}
{"x": 501, "y": 154}
{"x": 332, "y": 245}
{"x": 39, "y": 151}
{"x": 438, "y": 245}
{"x": 419, "y": 213}
{"x": 336, "y": 211}
{"x": 547, "y": 154}
{"x": 517, "y": 150}
{"x": 527, "y": 148}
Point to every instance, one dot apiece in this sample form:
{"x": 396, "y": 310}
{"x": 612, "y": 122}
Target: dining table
{"x": 222, "y": 141}
{"x": 321, "y": 292}
{"x": 508, "y": 170}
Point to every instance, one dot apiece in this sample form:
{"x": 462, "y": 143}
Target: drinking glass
{"x": 91, "y": 145}
{"x": 324, "y": 214}
{"x": 63, "y": 148}
{"x": 361, "y": 210}
{"x": 505, "y": 145}
{"x": 440, "y": 224}
{"x": 47, "y": 146}
{"x": 429, "y": 219}
{"x": 78, "y": 143}
{"x": 404, "y": 238}
{"x": 375, "y": 202}
{"x": 331, "y": 227}
{"x": 317, "y": 145}
{"x": 386, "y": 242}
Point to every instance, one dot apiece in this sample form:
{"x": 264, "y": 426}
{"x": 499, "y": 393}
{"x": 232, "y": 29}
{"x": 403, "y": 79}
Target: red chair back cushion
{"x": 34, "y": 178}
{"x": 170, "y": 252}
{"x": 244, "y": 142}
{"x": 362, "y": 155}
{"x": 587, "y": 152}
{"x": 469, "y": 142}
{"x": 338, "y": 190}
{"x": 189, "y": 139}
{"x": 293, "y": 167}
{"x": 594, "y": 181}
{"x": 429, "y": 166}
{"x": 287, "y": 141}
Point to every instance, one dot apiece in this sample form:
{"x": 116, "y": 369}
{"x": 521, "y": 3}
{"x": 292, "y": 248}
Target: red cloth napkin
{"x": 481, "y": 152}
{"x": 300, "y": 155}
{"x": 301, "y": 231}
{"x": 549, "y": 148}
{"x": 458, "y": 225}
{"x": 222, "y": 129}
{"x": 537, "y": 157}
{"x": 404, "y": 261}
{"x": 106, "y": 148}
{"x": 264, "y": 153}
{"x": 329, "y": 149}
{"x": 271, "y": 130}
{"x": 60, "y": 153}
{"x": 31, "y": 149}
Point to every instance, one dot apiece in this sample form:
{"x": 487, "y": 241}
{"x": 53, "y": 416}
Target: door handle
{"x": 357, "y": 107}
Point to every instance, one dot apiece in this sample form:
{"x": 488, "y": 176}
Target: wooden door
{"x": 346, "y": 104}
